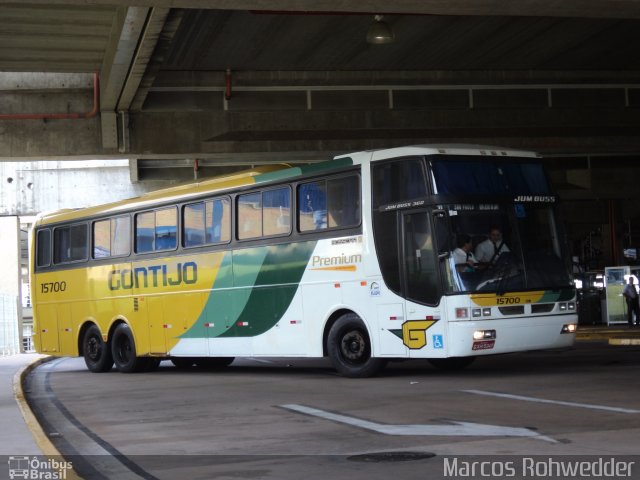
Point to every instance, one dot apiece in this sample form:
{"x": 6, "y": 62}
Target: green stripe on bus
{"x": 277, "y": 283}
{"x": 265, "y": 279}
{"x": 556, "y": 296}
{"x": 304, "y": 170}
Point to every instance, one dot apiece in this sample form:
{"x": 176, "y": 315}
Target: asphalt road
{"x": 293, "y": 418}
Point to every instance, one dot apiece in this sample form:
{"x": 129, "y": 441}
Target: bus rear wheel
{"x": 97, "y": 354}
{"x": 349, "y": 348}
{"x": 123, "y": 349}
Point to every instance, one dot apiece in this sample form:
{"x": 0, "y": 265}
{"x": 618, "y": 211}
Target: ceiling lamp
{"x": 380, "y": 32}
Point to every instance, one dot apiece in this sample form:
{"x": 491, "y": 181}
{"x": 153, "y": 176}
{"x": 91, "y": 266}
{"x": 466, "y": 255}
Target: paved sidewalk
{"x": 15, "y": 436}
{"x": 588, "y": 333}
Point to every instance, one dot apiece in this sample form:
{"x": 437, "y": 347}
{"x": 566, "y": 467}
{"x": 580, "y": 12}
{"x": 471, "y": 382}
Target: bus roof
{"x": 443, "y": 149}
{"x": 193, "y": 189}
{"x": 269, "y": 173}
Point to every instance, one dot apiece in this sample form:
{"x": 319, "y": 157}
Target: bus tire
{"x": 182, "y": 363}
{"x": 97, "y": 353}
{"x": 349, "y": 348}
{"x": 123, "y": 349}
{"x": 214, "y": 363}
{"x": 452, "y": 363}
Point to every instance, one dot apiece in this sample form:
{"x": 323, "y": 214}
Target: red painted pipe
{"x": 227, "y": 77}
{"x": 45, "y": 116}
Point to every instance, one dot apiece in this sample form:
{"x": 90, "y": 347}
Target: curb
{"x": 624, "y": 341}
{"x": 41, "y": 438}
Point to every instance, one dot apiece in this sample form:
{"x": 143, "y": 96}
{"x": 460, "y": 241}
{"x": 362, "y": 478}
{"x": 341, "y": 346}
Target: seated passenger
{"x": 462, "y": 255}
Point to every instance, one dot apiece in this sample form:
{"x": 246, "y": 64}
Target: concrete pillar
{"x": 10, "y": 285}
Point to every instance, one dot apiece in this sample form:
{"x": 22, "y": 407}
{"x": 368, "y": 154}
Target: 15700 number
{"x": 508, "y": 300}
{"x": 53, "y": 287}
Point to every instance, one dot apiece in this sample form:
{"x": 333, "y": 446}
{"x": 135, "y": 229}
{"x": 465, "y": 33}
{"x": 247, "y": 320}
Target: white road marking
{"x": 457, "y": 429}
{"x": 554, "y": 402}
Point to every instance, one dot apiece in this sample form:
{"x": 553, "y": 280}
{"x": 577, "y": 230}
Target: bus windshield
{"x": 497, "y": 248}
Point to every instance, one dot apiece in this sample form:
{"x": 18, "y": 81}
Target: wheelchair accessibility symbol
{"x": 438, "y": 341}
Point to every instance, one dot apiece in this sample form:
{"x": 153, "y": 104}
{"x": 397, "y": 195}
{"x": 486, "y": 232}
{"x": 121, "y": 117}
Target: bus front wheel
{"x": 349, "y": 348}
{"x": 97, "y": 354}
{"x": 123, "y": 349}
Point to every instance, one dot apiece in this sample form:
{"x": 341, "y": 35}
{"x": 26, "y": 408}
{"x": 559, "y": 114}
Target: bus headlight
{"x": 569, "y": 328}
{"x": 571, "y": 305}
{"x": 476, "y": 312}
{"x": 484, "y": 335}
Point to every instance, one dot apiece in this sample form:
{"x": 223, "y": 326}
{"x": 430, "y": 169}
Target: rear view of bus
{"x": 471, "y": 240}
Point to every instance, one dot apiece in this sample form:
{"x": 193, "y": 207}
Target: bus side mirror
{"x": 441, "y": 233}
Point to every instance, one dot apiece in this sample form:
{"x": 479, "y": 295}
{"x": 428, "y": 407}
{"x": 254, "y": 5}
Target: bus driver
{"x": 487, "y": 252}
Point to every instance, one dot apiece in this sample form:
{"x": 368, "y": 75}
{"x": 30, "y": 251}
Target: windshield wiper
{"x": 502, "y": 275}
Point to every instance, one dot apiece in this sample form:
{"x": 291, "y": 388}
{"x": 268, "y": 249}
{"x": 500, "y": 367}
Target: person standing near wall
{"x": 633, "y": 305}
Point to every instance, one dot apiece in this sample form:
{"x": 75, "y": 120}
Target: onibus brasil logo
{"x": 37, "y": 469}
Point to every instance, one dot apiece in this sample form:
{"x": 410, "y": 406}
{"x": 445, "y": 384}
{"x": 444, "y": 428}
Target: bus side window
{"x": 276, "y": 208}
{"x": 218, "y": 220}
{"x": 193, "y": 224}
{"x": 312, "y": 206}
{"x": 399, "y": 180}
{"x": 43, "y": 255}
{"x": 331, "y": 203}
{"x": 121, "y": 235}
{"x": 70, "y": 243}
{"x": 157, "y": 230}
{"x": 249, "y": 215}
{"x": 344, "y": 202}
{"x": 145, "y": 224}
{"x": 102, "y": 239}
{"x": 166, "y": 229}
{"x": 213, "y": 221}
{"x": 206, "y": 223}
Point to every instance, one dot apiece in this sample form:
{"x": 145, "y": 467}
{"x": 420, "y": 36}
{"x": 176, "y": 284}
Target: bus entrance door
{"x": 420, "y": 280}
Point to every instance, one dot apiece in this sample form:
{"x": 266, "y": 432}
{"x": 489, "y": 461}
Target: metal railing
{"x": 9, "y": 334}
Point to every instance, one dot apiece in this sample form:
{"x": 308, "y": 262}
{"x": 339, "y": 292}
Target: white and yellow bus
{"x": 354, "y": 259}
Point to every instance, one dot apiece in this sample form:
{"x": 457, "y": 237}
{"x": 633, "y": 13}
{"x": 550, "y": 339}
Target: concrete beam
{"x": 134, "y": 34}
{"x": 298, "y": 114}
{"x": 551, "y": 8}
{"x": 200, "y": 79}
{"x": 246, "y": 132}
{"x": 147, "y": 43}
{"x": 44, "y": 140}
{"x": 197, "y": 134}
{"x": 125, "y": 36}
{"x": 172, "y": 21}
{"x": 44, "y": 82}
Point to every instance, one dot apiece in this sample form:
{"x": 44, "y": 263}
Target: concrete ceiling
{"x": 562, "y": 77}
{"x": 240, "y": 40}
{"x": 77, "y": 37}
